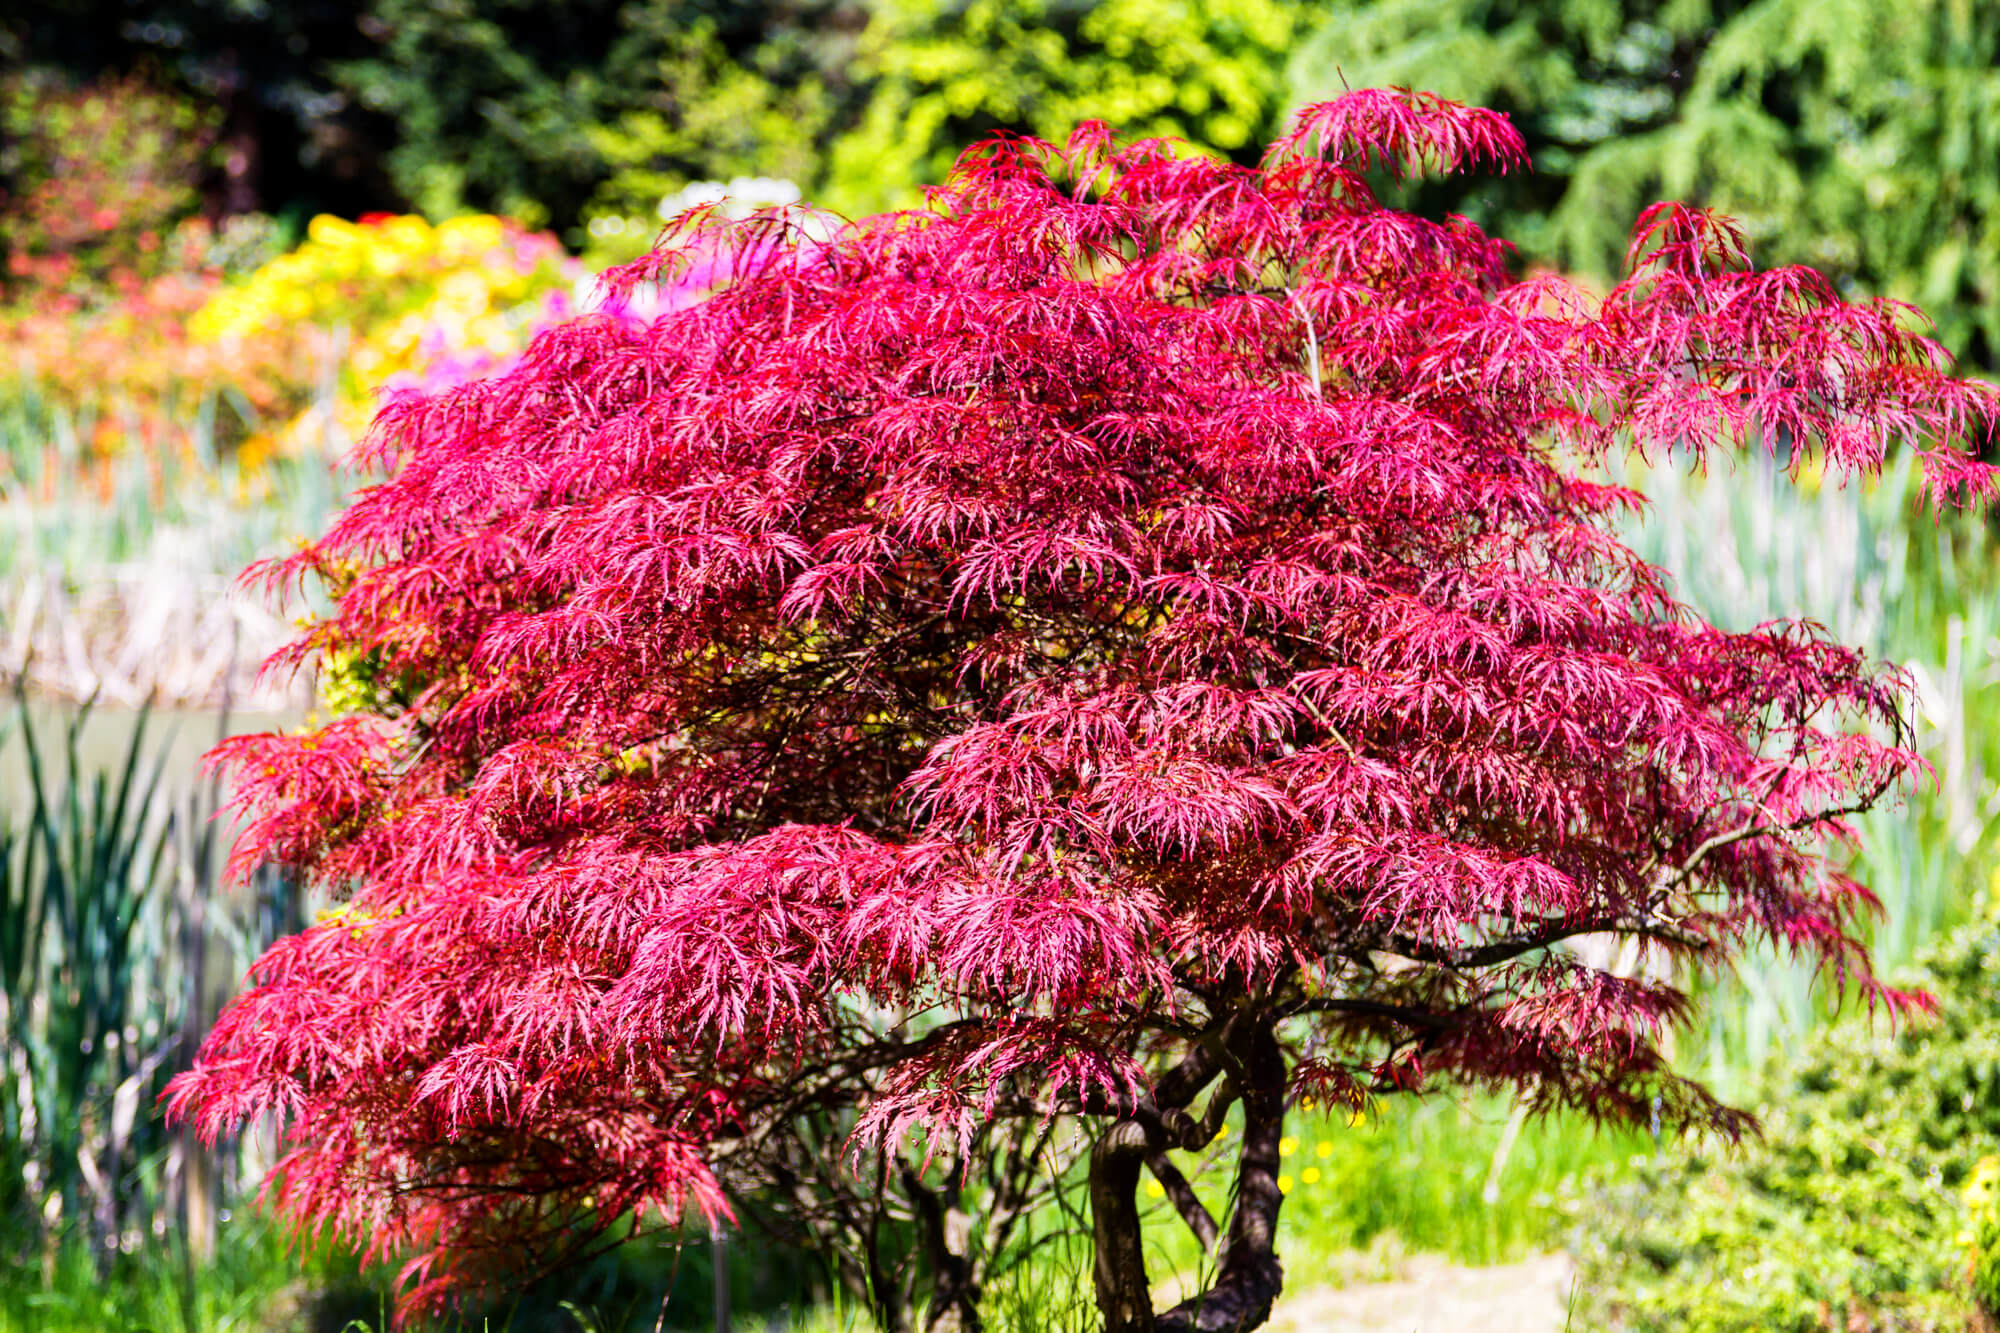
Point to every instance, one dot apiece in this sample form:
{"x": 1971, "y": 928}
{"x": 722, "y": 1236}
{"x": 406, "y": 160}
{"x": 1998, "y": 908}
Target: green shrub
{"x": 1848, "y": 1213}
{"x": 1856, "y": 136}
{"x": 941, "y": 75}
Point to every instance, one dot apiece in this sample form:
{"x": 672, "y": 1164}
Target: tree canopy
{"x": 1133, "y": 647}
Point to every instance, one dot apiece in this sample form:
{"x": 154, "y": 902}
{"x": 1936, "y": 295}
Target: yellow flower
{"x": 467, "y": 234}
{"x": 1154, "y": 1190}
{"x": 333, "y": 232}
{"x": 1284, "y": 1184}
{"x": 1324, "y": 1151}
{"x": 1310, "y": 1175}
{"x": 407, "y": 231}
{"x": 463, "y": 293}
{"x": 1287, "y": 1146}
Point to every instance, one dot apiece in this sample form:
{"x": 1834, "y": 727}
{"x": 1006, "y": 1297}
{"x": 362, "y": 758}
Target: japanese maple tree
{"x": 1138, "y": 639}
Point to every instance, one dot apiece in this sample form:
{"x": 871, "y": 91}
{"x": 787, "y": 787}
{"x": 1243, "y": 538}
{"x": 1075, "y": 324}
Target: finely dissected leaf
{"x": 1140, "y": 627}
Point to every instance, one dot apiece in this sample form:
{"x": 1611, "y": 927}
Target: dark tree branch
{"x": 1192, "y": 1210}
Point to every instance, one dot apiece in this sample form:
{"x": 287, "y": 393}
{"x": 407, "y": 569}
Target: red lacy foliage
{"x": 995, "y": 645}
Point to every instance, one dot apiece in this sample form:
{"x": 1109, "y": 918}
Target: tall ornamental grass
{"x": 118, "y": 578}
{"x": 1745, "y": 546}
{"x": 117, "y": 940}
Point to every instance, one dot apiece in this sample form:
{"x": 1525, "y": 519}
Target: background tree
{"x": 1127, "y": 650}
{"x": 98, "y": 179}
{"x": 288, "y": 138}
{"x": 1854, "y": 135}
{"x": 516, "y": 108}
{"x": 941, "y": 75}
{"x": 494, "y": 105}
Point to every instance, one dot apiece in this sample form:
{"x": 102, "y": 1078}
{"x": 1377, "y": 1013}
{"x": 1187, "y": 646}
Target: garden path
{"x": 1427, "y": 1294}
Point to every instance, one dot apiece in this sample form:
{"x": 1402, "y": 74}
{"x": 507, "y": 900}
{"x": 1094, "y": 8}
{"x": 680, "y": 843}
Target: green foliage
{"x": 1845, "y": 1215}
{"x": 256, "y": 1280}
{"x": 491, "y": 99}
{"x": 713, "y": 111}
{"x": 531, "y": 109}
{"x": 945, "y": 72}
{"x": 1857, "y": 136}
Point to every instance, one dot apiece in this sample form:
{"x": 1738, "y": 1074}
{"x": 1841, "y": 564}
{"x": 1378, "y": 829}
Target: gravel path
{"x": 1425, "y": 1294}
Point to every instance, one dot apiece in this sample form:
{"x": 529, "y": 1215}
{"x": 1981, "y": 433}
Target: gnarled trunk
{"x": 1124, "y": 1295}
{"x": 1250, "y": 1278}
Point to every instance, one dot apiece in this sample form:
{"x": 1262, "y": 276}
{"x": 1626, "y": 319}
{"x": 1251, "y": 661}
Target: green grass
{"x": 1460, "y": 1177}
{"x": 255, "y": 1283}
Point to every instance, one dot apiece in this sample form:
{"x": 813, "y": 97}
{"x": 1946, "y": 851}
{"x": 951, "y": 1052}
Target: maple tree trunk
{"x": 885, "y": 1292}
{"x": 1250, "y": 1277}
{"x": 1124, "y": 1295}
{"x": 943, "y": 1228}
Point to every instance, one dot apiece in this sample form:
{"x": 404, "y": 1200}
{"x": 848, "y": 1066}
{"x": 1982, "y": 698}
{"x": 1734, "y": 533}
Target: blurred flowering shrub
{"x": 291, "y": 355}
{"x": 105, "y": 261}
{"x": 392, "y": 303}
{"x": 97, "y": 180}
{"x": 121, "y": 369}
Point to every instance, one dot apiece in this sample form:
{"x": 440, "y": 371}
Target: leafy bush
{"x": 97, "y": 179}
{"x": 1847, "y": 1214}
{"x": 119, "y": 370}
{"x": 1857, "y": 136}
{"x": 290, "y": 358}
{"x": 941, "y": 75}
{"x": 712, "y": 116}
{"x": 398, "y": 303}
